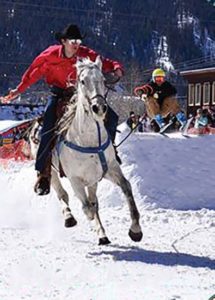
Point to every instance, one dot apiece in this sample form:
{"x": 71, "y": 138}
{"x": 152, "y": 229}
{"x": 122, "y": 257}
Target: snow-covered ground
{"x": 173, "y": 182}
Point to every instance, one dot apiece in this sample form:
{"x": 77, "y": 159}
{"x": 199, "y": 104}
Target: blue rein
{"x": 90, "y": 150}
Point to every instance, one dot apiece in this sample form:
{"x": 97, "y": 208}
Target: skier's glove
{"x": 144, "y": 97}
{"x": 156, "y": 96}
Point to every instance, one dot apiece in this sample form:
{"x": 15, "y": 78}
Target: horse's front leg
{"x": 79, "y": 190}
{"x": 103, "y": 240}
{"x": 62, "y": 195}
{"x": 115, "y": 175}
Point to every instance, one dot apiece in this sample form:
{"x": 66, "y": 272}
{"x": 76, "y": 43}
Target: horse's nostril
{"x": 95, "y": 109}
{"x": 104, "y": 108}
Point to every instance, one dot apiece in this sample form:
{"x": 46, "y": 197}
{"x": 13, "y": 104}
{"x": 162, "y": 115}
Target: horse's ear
{"x": 98, "y": 62}
{"x": 79, "y": 64}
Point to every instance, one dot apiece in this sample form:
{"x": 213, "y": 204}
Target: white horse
{"x": 87, "y": 155}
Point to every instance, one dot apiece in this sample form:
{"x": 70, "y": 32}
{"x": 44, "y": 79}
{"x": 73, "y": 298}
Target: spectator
{"x": 140, "y": 123}
{"x": 132, "y": 120}
{"x": 211, "y": 116}
{"x": 144, "y": 123}
{"x": 201, "y": 120}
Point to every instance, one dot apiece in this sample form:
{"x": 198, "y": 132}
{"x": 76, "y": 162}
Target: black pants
{"x": 47, "y": 132}
{"x": 111, "y": 122}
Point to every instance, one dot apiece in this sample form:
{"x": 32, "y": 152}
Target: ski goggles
{"x": 75, "y": 41}
{"x": 159, "y": 79}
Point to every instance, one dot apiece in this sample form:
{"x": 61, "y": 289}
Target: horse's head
{"x": 91, "y": 85}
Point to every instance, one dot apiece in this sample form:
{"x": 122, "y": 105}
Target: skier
{"x": 56, "y": 65}
{"x": 160, "y": 100}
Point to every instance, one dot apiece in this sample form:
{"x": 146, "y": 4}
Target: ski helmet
{"x": 158, "y": 73}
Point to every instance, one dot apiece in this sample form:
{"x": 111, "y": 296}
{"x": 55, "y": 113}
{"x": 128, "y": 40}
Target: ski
{"x": 184, "y": 131}
{"x": 171, "y": 135}
{"x": 165, "y": 127}
{"x": 163, "y": 134}
{"x": 152, "y": 134}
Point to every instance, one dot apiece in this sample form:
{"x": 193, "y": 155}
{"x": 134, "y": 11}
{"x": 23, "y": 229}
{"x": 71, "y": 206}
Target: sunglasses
{"x": 75, "y": 41}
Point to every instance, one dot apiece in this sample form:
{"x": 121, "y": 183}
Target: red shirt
{"x": 58, "y": 70}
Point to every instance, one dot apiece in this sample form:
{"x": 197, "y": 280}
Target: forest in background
{"x": 142, "y": 34}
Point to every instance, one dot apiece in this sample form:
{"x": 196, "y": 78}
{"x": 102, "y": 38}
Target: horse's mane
{"x": 66, "y": 120}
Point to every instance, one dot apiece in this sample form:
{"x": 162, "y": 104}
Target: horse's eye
{"x": 82, "y": 82}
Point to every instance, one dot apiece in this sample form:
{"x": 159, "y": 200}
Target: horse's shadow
{"x": 136, "y": 254}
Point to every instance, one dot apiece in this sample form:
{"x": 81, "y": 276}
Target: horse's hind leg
{"x": 115, "y": 175}
{"x": 70, "y": 221}
{"x": 103, "y": 240}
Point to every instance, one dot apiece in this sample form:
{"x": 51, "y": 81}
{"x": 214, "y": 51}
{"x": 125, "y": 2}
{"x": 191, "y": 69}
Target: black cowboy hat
{"x": 70, "y": 32}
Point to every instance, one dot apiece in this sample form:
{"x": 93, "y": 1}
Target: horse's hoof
{"x": 104, "y": 241}
{"x": 135, "y": 236}
{"x": 70, "y": 222}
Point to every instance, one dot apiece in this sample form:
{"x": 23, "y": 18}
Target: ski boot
{"x": 181, "y": 119}
{"x": 160, "y": 121}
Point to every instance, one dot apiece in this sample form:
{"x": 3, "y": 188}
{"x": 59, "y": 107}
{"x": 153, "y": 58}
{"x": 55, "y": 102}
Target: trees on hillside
{"x": 126, "y": 30}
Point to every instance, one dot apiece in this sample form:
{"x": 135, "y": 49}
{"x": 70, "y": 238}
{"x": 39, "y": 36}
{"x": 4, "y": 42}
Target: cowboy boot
{"x": 42, "y": 185}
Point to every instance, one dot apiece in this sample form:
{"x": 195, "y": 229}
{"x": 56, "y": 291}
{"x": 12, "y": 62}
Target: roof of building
{"x": 198, "y": 71}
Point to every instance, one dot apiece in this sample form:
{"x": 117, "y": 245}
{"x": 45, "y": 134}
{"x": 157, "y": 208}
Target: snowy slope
{"x": 173, "y": 183}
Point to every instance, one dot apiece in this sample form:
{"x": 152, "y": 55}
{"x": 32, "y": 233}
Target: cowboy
{"x": 56, "y": 65}
{"x": 160, "y": 99}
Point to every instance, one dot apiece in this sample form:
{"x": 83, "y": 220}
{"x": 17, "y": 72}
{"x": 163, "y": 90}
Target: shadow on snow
{"x": 135, "y": 254}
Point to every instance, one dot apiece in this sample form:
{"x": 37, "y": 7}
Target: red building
{"x": 201, "y": 89}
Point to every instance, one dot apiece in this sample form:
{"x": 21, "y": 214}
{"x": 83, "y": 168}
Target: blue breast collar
{"x": 90, "y": 150}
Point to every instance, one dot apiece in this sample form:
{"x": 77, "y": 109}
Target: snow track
{"x": 173, "y": 183}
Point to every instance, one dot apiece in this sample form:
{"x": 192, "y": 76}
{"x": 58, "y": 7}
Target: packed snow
{"x": 173, "y": 182}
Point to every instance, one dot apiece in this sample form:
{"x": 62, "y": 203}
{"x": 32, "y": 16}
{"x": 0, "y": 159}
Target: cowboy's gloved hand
{"x": 118, "y": 72}
{"x": 12, "y": 95}
{"x": 156, "y": 96}
{"x": 144, "y": 97}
